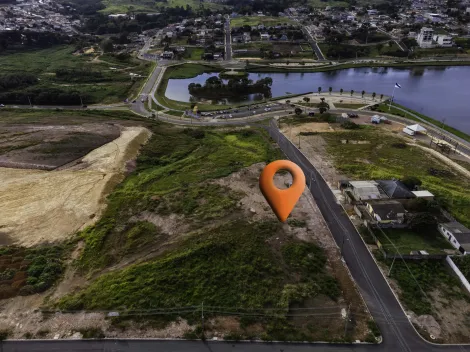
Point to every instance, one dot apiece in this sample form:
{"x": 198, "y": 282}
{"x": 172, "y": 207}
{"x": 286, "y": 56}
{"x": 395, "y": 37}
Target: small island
{"x": 216, "y": 88}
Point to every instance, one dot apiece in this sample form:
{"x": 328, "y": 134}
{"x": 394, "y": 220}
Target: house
{"x": 395, "y": 189}
{"x": 423, "y": 194}
{"x": 457, "y": 234}
{"x": 366, "y": 190}
{"x": 284, "y": 37}
{"x": 265, "y": 36}
{"x": 247, "y": 37}
{"x": 237, "y": 39}
{"x": 443, "y": 41}
{"x": 425, "y": 38}
{"x": 168, "y": 55}
{"x": 387, "y": 212}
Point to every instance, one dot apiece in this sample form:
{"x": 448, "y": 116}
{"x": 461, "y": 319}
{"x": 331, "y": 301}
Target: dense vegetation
{"x": 223, "y": 260}
{"x": 57, "y": 76}
{"x": 463, "y": 263}
{"x": 215, "y": 88}
{"x": 418, "y": 279}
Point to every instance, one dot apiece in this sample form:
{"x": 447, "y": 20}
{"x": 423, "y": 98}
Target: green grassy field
{"x": 100, "y": 84}
{"x": 349, "y": 106}
{"x": 431, "y": 276}
{"x": 223, "y": 259}
{"x": 195, "y": 53}
{"x": 257, "y": 20}
{"x": 147, "y": 6}
{"x": 406, "y": 241}
{"x": 381, "y": 160}
{"x": 373, "y": 50}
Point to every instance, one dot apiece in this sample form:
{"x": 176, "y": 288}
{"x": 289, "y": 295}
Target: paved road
{"x": 139, "y": 105}
{"x": 228, "y": 40}
{"x": 314, "y": 44}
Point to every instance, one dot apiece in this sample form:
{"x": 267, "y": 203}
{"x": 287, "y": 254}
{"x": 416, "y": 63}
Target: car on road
{"x": 142, "y": 100}
{"x": 253, "y": 112}
{"x": 230, "y": 116}
{"x": 267, "y": 109}
{"x": 84, "y": 106}
{"x": 2, "y": 105}
{"x": 352, "y": 115}
{"x": 133, "y": 101}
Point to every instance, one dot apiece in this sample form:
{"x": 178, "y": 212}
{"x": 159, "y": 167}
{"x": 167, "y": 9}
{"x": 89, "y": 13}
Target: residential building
{"x": 425, "y": 38}
{"x": 457, "y": 234}
{"x": 247, "y": 37}
{"x": 443, "y": 40}
{"x": 387, "y": 212}
{"x": 265, "y": 36}
{"x": 395, "y": 189}
{"x": 168, "y": 55}
{"x": 366, "y": 190}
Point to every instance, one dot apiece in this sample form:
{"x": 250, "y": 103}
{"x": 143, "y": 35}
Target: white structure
{"x": 443, "y": 40}
{"x": 265, "y": 36}
{"x": 425, "y": 38}
{"x": 416, "y": 128}
{"x": 366, "y": 190}
{"x": 433, "y": 17}
{"x": 457, "y": 234}
{"x": 423, "y": 194}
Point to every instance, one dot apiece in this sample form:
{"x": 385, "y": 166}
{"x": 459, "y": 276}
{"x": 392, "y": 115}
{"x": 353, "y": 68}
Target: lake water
{"x": 439, "y": 92}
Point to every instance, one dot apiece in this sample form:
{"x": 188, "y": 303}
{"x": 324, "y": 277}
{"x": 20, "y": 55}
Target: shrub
{"x": 349, "y": 125}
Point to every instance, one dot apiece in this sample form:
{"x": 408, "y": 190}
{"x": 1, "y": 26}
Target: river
{"x": 438, "y": 91}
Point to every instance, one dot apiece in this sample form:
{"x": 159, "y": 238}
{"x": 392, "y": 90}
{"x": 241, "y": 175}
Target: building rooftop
{"x": 395, "y": 189}
{"x": 387, "y": 210}
{"x": 366, "y": 189}
{"x": 460, "y": 232}
{"x": 420, "y": 194}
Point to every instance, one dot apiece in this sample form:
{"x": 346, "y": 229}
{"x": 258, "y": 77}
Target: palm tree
{"x": 381, "y": 96}
{"x": 363, "y": 92}
{"x": 330, "y": 89}
{"x": 323, "y": 106}
{"x": 341, "y": 91}
{"x": 373, "y": 95}
{"x": 319, "y": 90}
{"x": 352, "y": 92}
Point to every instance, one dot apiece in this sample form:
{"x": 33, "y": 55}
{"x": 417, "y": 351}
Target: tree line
{"x": 215, "y": 88}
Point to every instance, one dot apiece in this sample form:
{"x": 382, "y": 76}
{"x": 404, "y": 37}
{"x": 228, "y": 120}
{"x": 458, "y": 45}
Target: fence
{"x": 457, "y": 271}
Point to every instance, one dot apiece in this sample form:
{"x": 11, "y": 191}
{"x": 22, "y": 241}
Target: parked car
{"x": 2, "y": 105}
{"x": 311, "y": 113}
{"x": 84, "y": 106}
{"x": 352, "y": 116}
{"x": 267, "y": 109}
{"x": 254, "y": 112}
{"x": 230, "y": 116}
{"x": 133, "y": 101}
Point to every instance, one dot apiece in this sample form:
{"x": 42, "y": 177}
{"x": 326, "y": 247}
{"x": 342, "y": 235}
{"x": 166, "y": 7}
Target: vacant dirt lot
{"x": 46, "y": 147}
{"x": 45, "y": 206}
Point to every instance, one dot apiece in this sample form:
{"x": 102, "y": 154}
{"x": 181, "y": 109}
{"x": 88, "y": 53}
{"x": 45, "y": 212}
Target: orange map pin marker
{"x": 282, "y": 201}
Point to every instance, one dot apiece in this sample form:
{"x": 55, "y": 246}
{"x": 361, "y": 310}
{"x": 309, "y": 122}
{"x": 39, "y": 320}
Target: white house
{"x": 457, "y": 234}
{"x": 425, "y": 38}
{"x": 265, "y": 36}
{"x": 443, "y": 40}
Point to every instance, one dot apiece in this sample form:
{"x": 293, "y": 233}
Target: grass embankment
{"x": 59, "y": 70}
{"x": 330, "y": 51}
{"x": 223, "y": 259}
{"x": 381, "y": 158}
{"x": 145, "y": 6}
{"x": 349, "y": 106}
{"x": 394, "y": 111}
{"x": 419, "y": 279}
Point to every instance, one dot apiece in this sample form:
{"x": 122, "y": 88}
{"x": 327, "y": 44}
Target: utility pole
{"x": 81, "y": 101}
{"x": 390, "y": 271}
{"x": 202, "y": 317}
{"x": 347, "y": 320}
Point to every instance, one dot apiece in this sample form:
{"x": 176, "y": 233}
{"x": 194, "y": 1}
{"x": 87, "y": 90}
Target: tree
{"x": 298, "y": 111}
{"x": 341, "y": 91}
{"x": 319, "y": 90}
{"x": 411, "y": 182}
{"x": 381, "y": 96}
{"x": 373, "y": 95}
{"x": 380, "y": 46}
{"x": 323, "y": 106}
{"x": 363, "y": 92}
{"x": 330, "y": 89}
{"x": 422, "y": 222}
{"x": 287, "y": 101}
{"x": 352, "y": 92}
{"x": 106, "y": 45}
{"x": 306, "y": 99}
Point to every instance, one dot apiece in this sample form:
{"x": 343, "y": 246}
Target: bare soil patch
{"x": 47, "y": 147}
{"x": 40, "y": 206}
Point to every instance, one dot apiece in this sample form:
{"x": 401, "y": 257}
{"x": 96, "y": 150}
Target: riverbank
{"x": 333, "y": 67}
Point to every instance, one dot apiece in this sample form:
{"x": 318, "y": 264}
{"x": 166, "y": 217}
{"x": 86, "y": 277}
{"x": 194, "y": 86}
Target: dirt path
{"x": 40, "y": 206}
